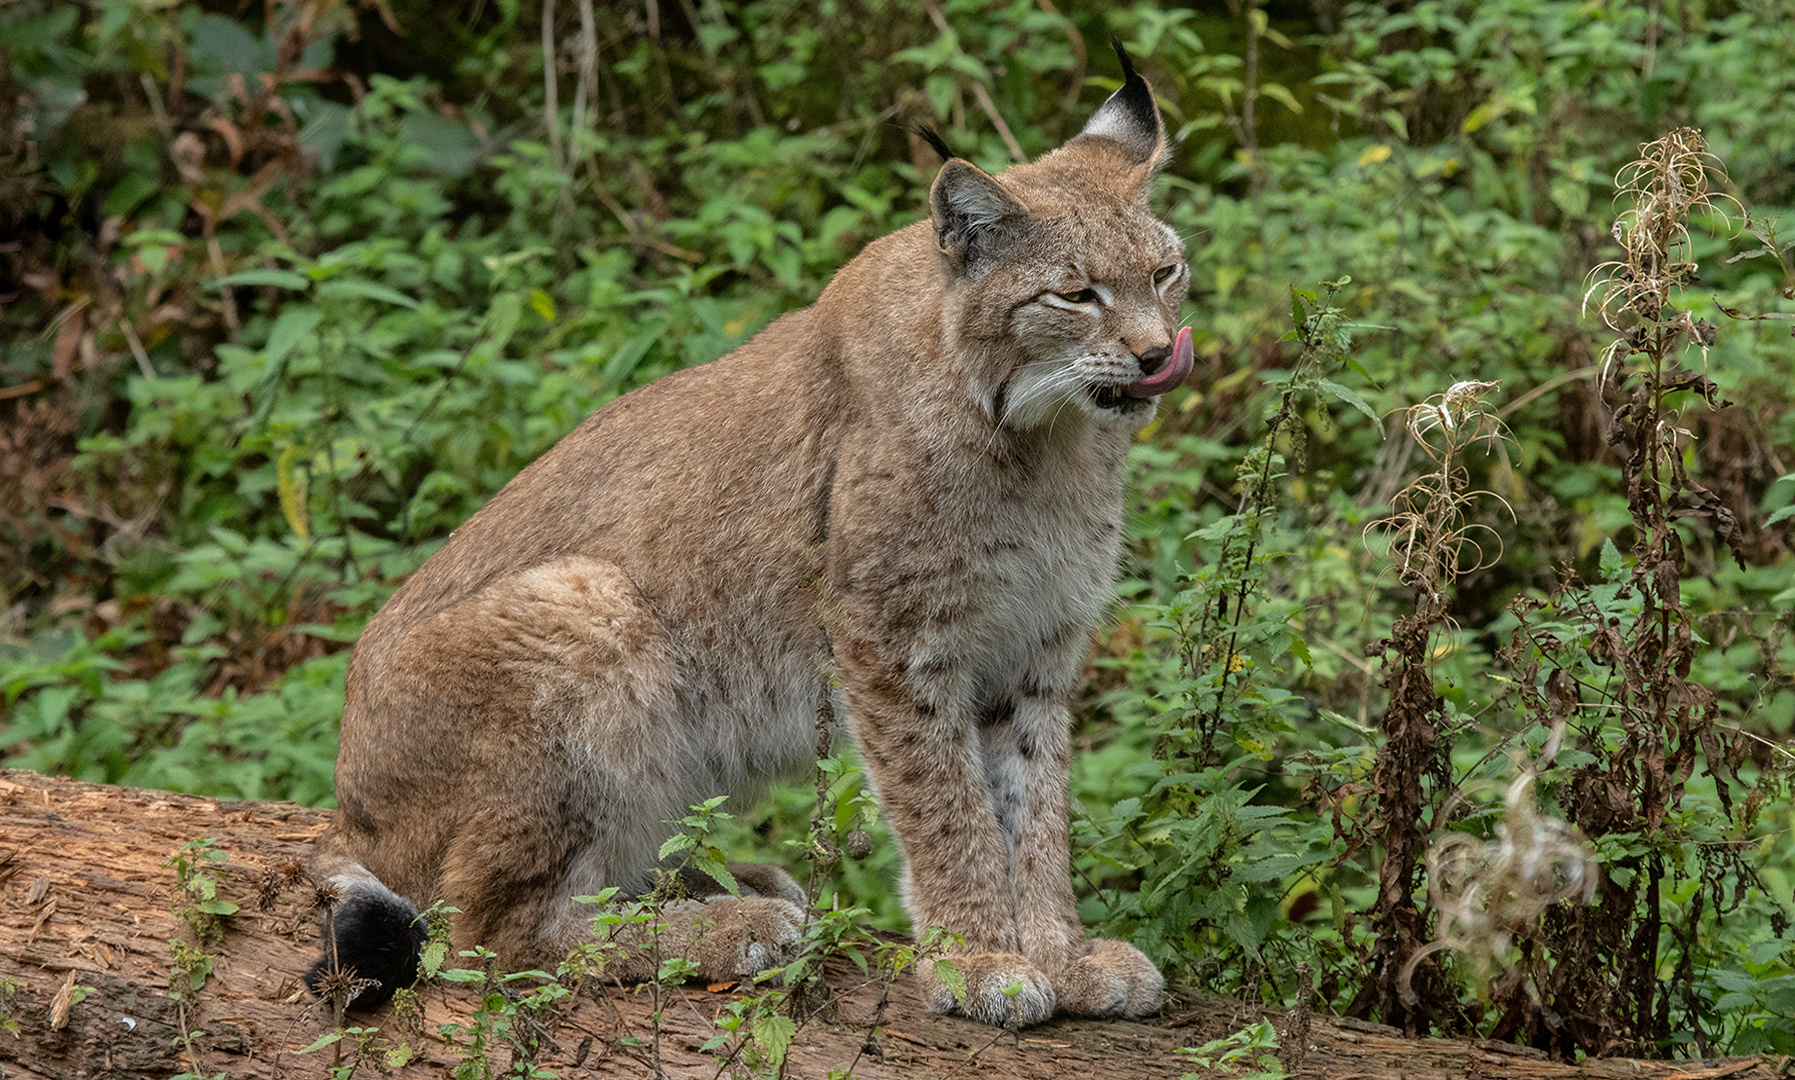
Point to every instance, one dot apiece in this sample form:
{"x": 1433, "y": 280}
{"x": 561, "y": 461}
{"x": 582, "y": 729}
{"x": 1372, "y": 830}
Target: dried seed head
{"x": 341, "y": 985}
{"x": 1431, "y": 539}
{"x": 268, "y": 890}
{"x": 326, "y": 894}
{"x": 859, "y": 844}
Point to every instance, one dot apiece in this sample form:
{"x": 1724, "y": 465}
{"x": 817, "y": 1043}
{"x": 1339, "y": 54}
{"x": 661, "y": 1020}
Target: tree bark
{"x": 88, "y": 911}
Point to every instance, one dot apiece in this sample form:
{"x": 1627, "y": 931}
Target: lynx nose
{"x": 1155, "y": 358}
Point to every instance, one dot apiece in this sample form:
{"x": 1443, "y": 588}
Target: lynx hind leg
{"x": 752, "y": 879}
{"x": 584, "y": 763}
{"x": 1113, "y": 979}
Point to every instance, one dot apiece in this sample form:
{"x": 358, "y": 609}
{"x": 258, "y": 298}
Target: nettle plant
{"x": 1213, "y": 864}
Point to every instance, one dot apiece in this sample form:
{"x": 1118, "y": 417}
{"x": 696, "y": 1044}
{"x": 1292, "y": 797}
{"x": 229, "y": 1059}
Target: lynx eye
{"x": 1164, "y": 274}
{"x": 1078, "y": 296}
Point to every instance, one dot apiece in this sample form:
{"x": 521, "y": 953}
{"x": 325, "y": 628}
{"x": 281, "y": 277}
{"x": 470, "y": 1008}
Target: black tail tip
{"x": 936, "y": 142}
{"x": 379, "y": 937}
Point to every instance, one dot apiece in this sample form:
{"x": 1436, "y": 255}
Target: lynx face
{"x": 1098, "y": 337}
{"x": 1065, "y": 278}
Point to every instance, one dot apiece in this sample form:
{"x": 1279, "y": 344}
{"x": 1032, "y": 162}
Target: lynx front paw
{"x": 976, "y": 989}
{"x": 734, "y": 938}
{"x": 1113, "y": 979}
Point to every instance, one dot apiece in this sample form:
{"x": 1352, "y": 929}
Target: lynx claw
{"x": 984, "y": 977}
{"x": 1113, "y": 979}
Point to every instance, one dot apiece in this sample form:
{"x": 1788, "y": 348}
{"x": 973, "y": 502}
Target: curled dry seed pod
{"x": 1431, "y": 540}
{"x": 1489, "y": 893}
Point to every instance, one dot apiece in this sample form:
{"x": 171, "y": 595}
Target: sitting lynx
{"x": 914, "y": 485}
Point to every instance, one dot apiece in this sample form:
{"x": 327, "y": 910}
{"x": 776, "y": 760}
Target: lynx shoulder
{"x": 911, "y": 490}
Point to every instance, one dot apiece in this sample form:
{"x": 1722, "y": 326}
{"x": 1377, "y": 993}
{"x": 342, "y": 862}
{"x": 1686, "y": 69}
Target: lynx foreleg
{"x": 927, "y": 763}
{"x": 1029, "y": 761}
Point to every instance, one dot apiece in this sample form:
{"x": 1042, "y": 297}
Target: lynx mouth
{"x": 1109, "y": 397}
{"x": 1176, "y": 369}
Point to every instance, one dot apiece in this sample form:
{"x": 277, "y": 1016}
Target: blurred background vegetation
{"x": 288, "y": 289}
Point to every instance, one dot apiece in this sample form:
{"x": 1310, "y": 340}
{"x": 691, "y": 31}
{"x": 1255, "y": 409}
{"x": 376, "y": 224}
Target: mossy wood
{"x": 86, "y": 902}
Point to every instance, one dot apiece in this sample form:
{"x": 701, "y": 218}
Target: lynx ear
{"x": 1131, "y": 117}
{"x": 972, "y": 211}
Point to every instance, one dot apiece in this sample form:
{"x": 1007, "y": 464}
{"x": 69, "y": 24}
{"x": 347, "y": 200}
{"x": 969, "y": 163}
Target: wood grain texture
{"x": 83, "y": 891}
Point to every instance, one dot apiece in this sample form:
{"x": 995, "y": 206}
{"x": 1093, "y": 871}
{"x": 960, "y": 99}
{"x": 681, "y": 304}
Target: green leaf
{"x": 462, "y": 975}
{"x": 326, "y": 1039}
{"x": 432, "y": 958}
{"x": 296, "y": 324}
{"x": 623, "y": 362}
{"x": 336, "y": 289}
{"x": 1613, "y": 564}
{"x": 949, "y": 976}
{"x": 1281, "y": 95}
{"x": 1351, "y": 397}
{"x": 773, "y": 1034}
{"x": 280, "y": 279}
{"x": 676, "y": 843}
{"x": 216, "y": 907}
{"x": 291, "y": 485}
{"x": 543, "y": 304}
{"x": 714, "y": 868}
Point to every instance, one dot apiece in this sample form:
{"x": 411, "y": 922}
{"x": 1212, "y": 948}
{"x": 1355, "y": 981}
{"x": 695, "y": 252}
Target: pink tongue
{"x": 1169, "y": 376}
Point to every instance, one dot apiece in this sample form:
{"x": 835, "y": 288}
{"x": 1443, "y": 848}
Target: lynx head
{"x": 1063, "y": 287}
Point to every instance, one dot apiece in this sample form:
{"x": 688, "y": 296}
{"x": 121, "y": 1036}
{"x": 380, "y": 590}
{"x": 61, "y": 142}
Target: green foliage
{"x": 276, "y": 321}
{"x": 199, "y": 871}
{"x": 1255, "y": 1048}
{"x": 8, "y": 989}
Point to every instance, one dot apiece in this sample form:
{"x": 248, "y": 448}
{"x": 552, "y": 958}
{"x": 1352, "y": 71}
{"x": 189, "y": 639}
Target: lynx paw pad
{"x": 1113, "y": 979}
{"x": 976, "y": 987}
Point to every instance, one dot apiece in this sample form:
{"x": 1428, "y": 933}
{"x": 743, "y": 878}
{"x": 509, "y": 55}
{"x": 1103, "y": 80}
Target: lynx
{"x": 910, "y": 491}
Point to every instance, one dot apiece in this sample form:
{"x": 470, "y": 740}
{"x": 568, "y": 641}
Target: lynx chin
{"x": 910, "y": 491}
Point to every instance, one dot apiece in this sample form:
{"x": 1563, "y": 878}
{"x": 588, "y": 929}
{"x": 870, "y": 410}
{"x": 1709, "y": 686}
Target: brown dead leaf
{"x": 721, "y": 987}
{"x": 68, "y": 342}
{"x": 39, "y": 889}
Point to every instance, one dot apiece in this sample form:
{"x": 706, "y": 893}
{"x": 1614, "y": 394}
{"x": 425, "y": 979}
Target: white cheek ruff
{"x": 1040, "y": 391}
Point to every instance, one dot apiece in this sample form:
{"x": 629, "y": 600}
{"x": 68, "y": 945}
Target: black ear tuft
{"x": 1122, "y": 55}
{"x": 936, "y": 142}
{"x": 972, "y": 212}
{"x": 1131, "y": 116}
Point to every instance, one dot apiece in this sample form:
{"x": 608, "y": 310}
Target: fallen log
{"x": 115, "y": 963}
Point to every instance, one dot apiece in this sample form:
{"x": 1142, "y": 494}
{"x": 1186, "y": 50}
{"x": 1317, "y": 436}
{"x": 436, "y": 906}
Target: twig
{"x": 1003, "y": 130}
{"x": 978, "y": 89}
{"x": 551, "y": 105}
{"x": 143, "y": 358}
